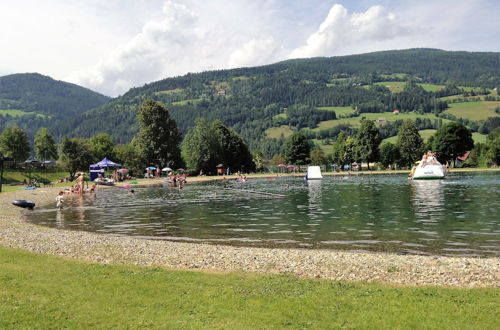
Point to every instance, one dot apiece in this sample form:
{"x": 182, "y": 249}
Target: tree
{"x": 75, "y": 155}
{"x": 452, "y": 140}
{"x": 389, "y": 154}
{"x": 201, "y": 149}
{"x": 367, "y": 142}
{"x": 234, "y": 152}
{"x": 317, "y": 157}
{"x": 45, "y": 147}
{"x": 493, "y": 145}
{"x": 278, "y": 159}
{"x": 297, "y": 149}
{"x": 338, "y": 149}
{"x": 259, "y": 160}
{"x": 101, "y": 145}
{"x": 410, "y": 143}
{"x": 158, "y": 135}
{"x": 129, "y": 156}
{"x": 14, "y": 143}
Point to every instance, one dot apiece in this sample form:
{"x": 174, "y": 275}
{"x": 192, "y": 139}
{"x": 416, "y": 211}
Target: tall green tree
{"x": 158, "y": 135}
{"x": 297, "y": 149}
{"x": 493, "y": 145}
{"x": 234, "y": 152}
{"x": 338, "y": 149}
{"x": 452, "y": 140}
{"x": 129, "y": 156}
{"x": 45, "y": 146}
{"x": 75, "y": 155}
{"x": 389, "y": 154}
{"x": 410, "y": 143}
{"x": 101, "y": 145}
{"x": 367, "y": 142}
{"x": 317, "y": 157}
{"x": 201, "y": 149}
{"x": 259, "y": 160}
{"x": 14, "y": 143}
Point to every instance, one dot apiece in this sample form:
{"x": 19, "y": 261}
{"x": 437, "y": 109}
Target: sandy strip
{"x": 15, "y": 232}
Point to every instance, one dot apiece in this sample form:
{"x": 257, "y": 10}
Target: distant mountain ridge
{"x": 32, "y": 100}
{"x": 254, "y": 99}
{"x": 42, "y": 94}
{"x": 249, "y": 99}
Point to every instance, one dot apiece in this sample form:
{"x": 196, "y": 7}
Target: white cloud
{"x": 340, "y": 30}
{"x": 183, "y": 41}
{"x": 114, "y": 45}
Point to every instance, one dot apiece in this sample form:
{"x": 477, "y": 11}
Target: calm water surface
{"x": 456, "y": 216}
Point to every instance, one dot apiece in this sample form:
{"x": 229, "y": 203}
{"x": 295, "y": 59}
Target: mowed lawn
{"x": 339, "y": 111}
{"x": 398, "y": 86}
{"x": 18, "y": 113}
{"x": 278, "y": 132}
{"x": 388, "y": 116}
{"x": 426, "y": 134}
{"x": 47, "y": 292}
{"x": 477, "y": 110}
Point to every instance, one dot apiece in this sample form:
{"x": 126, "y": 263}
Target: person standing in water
{"x": 60, "y": 200}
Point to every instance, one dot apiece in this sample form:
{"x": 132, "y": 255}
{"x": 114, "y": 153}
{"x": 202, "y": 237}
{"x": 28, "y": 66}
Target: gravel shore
{"x": 15, "y": 232}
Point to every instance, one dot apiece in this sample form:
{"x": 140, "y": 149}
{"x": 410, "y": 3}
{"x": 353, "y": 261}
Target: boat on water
{"x": 429, "y": 168}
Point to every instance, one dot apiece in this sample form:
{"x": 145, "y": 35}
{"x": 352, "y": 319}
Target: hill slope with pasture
{"x": 319, "y": 96}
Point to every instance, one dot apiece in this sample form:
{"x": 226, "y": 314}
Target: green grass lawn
{"x": 39, "y": 291}
{"x": 477, "y": 110}
{"x": 389, "y": 116}
{"x": 478, "y": 137}
{"x": 426, "y": 134}
{"x": 19, "y": 113}
{"x": 327, "y": 148}
{"x": 398, "y": 86}
{"x": 339, "y": 111}
{"x": 277, "y": 132}
{"x": 184, "y": 102}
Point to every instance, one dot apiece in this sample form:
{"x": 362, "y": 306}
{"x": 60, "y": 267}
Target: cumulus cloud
{"x": 182, "y": 41}
{"x": 194, "y": 35}
{"x": 340, "y": 30}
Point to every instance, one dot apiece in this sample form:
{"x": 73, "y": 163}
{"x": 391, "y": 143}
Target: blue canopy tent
{"x": 100, "y": 167}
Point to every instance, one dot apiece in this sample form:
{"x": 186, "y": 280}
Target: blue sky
{"x": 111, "y": 46}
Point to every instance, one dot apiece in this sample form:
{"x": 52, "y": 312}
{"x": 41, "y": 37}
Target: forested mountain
{"x": 32, "y": 100}
{"x": 292, "y": 93}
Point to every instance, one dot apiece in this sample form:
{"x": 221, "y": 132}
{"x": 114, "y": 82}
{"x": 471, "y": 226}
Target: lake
{"x": 384, "y": 213}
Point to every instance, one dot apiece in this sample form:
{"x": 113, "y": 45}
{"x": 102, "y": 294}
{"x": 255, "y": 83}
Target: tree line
{"x": 211, "y": 144}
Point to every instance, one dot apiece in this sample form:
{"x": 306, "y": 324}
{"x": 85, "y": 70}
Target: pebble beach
{"x": 15, "y": 232}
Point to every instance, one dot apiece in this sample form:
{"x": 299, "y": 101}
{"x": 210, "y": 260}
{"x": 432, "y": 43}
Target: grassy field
{"x": 170, "y": 91}
{"x": 19, "y": 113}
{"x": 478, "y": 137}
{"x": 426, "y": 134}
{"x": 389, "y": 116}
{"x": 398, "y": 86}
{"x": 477, "y": 110}
{"x": 339, "y": 111}
{"x": 184, "y": 102}
{"x": 39, "y": 291}
{"x": 11, "y": 177}
{"x": 327, "y": 148}
{"x": 277, "y": 132}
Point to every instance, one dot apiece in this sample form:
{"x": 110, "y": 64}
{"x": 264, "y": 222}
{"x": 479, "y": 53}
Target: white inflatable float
{"x": 313, "y": 173}
{"x": 433, "y": 171}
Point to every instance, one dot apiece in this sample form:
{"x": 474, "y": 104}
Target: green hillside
{"x": 31, "y": 101}
{"x": 320, "y": 96}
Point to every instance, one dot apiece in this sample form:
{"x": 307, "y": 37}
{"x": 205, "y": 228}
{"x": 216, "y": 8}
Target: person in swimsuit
{"x": 60, "y": 200}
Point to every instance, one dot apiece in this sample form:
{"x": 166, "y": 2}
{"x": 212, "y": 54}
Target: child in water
{"x": 60, "y": 200}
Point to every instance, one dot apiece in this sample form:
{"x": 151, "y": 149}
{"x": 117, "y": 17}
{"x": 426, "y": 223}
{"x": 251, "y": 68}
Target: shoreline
{"x": 15, "y": 232}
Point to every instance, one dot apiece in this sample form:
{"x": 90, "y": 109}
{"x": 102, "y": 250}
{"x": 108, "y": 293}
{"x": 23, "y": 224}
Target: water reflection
{"x": 459, "y": 215}
{"x": 428, "y": 199}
